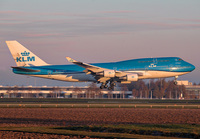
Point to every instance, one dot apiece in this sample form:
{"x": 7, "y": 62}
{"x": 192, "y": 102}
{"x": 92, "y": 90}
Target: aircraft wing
{"x": 88, "y": 67}
{"x": 99, "y": 72}
{"x": 94, "y": 70}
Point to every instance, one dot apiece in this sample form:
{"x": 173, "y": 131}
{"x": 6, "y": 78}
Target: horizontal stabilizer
{"x": 25, "y": 69}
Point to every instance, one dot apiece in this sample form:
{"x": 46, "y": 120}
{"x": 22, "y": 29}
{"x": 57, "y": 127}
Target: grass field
{"x": 97, "y": 101}
{"x": 101, "y": 118}
{"x": 117, "y": 131}
{"x": 79, "y": 105}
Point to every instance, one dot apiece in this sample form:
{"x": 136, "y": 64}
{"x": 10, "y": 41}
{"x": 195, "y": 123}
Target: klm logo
{"x": 25, "y": 53}
{"x": 25, "y": 57}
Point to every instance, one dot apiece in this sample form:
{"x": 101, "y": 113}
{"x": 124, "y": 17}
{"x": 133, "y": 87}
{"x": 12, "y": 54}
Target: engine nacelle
{"x": 132, "y": 77}
{"x": 109, "y": 73}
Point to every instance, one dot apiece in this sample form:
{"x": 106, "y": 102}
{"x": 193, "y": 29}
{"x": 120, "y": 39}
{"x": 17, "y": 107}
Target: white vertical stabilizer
{"x": 22, "y": 56}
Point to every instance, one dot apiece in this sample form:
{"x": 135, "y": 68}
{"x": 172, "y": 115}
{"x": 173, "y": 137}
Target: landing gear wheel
{"x": 106, "y": 86}
{"x": 113, "y": 84}
{"x": 175, "y": 82}
{"x": 111, "y": 88}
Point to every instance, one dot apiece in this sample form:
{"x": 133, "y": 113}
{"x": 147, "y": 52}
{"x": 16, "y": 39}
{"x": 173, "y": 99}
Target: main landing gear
{"x": 105, "y": 85}
{"x": 175, "y": 80}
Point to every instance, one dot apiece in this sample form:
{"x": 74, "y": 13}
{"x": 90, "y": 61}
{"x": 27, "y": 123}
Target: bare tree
{"x": 123, "y": 90}
{"x": 9, "y": 91}
{"x": 91, "y": 90}
{"x": 77, "y": 92}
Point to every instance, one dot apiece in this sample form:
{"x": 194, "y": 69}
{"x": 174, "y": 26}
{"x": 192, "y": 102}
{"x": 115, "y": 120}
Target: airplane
{"x": 108, "y": 74}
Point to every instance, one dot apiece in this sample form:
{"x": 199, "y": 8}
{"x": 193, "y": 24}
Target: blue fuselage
{"x": 162, "y": 64}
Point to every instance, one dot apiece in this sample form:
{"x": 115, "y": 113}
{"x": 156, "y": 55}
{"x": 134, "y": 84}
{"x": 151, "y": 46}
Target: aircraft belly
{"x": 160, "y": 74}
{"x": 82, "y": 77}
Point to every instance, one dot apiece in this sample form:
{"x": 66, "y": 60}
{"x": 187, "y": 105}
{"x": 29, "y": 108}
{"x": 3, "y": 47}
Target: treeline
{"x": 156, "y": 89}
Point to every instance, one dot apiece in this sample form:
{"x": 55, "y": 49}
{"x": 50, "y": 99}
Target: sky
{"x": 99, "y": 31}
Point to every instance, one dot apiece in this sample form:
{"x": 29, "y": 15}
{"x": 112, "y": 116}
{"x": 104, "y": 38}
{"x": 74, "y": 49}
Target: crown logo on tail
{"x": 25, "y": 53}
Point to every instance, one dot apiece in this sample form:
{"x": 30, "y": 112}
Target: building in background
{"x": 93, "y": 92}
{"x": 184, "y": 82}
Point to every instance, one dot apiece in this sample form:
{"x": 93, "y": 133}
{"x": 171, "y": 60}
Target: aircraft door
{"x": 155, "y": 61}
{"x": 49, "y": 73}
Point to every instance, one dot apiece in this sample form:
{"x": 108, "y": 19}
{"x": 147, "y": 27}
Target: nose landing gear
{"x": 175, "y": 81}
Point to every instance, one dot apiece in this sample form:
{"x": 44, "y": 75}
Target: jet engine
{"x": 107, "y": 73}
{"x": 130, "y": 77}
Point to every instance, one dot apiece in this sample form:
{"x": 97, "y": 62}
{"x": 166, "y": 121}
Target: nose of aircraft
{"x": 190, "y": 67}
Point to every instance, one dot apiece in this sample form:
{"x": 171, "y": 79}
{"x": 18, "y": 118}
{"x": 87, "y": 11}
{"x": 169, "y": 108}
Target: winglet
{"x": 71, "y": 60}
